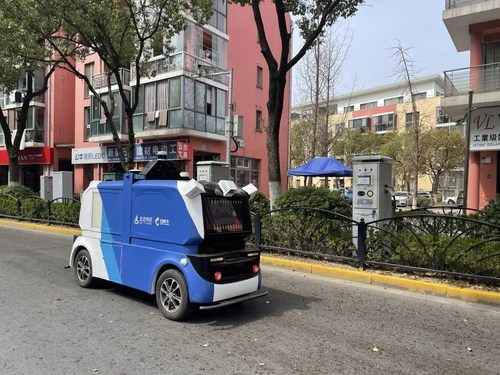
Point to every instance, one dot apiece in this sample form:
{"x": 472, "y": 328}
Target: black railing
{"x": 447, "y": 244}
{"x": 60, "y": 211}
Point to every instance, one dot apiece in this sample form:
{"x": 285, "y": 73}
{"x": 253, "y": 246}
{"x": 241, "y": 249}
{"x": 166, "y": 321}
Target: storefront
{"x": 31, "y": 162}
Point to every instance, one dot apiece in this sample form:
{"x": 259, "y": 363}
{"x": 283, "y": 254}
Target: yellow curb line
{"x": 424, "y": 287}
{"x": 40, "y": 227}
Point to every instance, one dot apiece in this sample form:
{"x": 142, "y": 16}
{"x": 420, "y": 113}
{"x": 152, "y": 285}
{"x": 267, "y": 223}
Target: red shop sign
{"x": 35, "y": 155}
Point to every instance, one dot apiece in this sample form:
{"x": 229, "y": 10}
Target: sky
{"x": 378, "y": 26}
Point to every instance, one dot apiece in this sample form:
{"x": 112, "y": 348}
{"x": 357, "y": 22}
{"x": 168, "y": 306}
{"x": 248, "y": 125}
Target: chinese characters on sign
{"x": 143, "y": 152}
{"x": 485, "y": 129}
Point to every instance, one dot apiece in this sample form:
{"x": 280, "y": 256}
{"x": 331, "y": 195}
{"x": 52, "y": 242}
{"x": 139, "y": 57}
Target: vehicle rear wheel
{"x": 83, "y": 269}
{"x": 172, "y": 296}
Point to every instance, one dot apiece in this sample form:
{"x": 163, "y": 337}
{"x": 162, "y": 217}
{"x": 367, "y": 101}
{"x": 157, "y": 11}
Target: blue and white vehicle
{"x": 179, "y": 239}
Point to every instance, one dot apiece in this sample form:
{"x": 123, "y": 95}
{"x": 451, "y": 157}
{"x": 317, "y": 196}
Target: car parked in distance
{"x": 424, "y": 198}
{"x": 455, "y": 200}
{"x": 402, "y": 198}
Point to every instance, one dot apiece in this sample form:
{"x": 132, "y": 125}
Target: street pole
{"x": 230, "y": 124}
{"x": 467, "y": 152}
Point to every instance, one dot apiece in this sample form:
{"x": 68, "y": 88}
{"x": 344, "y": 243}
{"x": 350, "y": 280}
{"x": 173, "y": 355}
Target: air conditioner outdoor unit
{"x": 240, "y": 142}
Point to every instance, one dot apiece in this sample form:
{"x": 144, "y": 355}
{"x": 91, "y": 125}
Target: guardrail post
{"x": 362, "y": 244}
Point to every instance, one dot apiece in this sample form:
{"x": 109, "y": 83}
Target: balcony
{"x": 460, "y": 15}
{"x": 32, "y": 138}
{"x": 384, "y": 127}
{"x": 100, "y": 81}
{"x": 482, "y": 80}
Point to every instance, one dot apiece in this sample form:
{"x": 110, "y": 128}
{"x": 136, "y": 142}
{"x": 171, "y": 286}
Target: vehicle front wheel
{"x": 172, "y": 295}
{"x": 83, "y": 269}
{"x": 451, "y": 202}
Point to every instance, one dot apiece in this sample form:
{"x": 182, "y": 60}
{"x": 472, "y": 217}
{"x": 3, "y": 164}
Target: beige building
{"x": 381, "y": 110}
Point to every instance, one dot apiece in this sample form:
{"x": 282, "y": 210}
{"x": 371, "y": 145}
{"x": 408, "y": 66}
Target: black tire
{"x": 83, "y": 269}
{"x": 172, "y": 296}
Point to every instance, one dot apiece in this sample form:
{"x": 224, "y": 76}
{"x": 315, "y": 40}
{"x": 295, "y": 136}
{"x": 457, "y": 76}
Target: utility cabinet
{"x": 62, "y": 184}
{"x": 212, "y": 171}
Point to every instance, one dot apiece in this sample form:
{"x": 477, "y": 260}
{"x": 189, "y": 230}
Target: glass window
{"x": 384, "y": 122}
{"x": 349, "y": 108}
{"x": 89, "y": 73}
{"x": 258, "y": 120}
{"x": 149, "y": 97}
{"x": 86, "y": 123}
{"x": 368, "y": 105}
{"x": 221, "y": 103}
{"x": 199, "y": 96}
{"x": 245, "y": 171}
{"x": 162, "y": 95}
{"x": 360, "y": 123}
{"x": 259, "y": 77}
{"x": 441, "y": 116}
{"x": 396, "y": 100}
{"x": 174, "y": 97}
{"x": 409, "y": 119}
{"x": 189, "y": 93}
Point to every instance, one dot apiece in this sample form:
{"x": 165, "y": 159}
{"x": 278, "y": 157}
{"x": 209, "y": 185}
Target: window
{"x": 259, "y": 77}
{"x": 420, "y": 95}
{"x": 409, "y": 119}
{"x": 86, "y": 123}
{"x": 362, "y": 124}
{"x": 258, "y": 120}
{"x": 339, "y": 127}
{"x": 384, "y": 122}
{"x": 441, "y": 116}
{"x": 349, "y": 108}
{"x": 245, "y": 171}
{"x": 396, "y": 100}
{"x": 89, "y": 73}
{"x": 368, "y": 105}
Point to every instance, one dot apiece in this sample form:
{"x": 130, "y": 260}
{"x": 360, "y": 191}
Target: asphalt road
{"x": 306, "y": 325}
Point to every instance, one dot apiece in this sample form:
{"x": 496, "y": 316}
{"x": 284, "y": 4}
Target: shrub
{"x": 34, "y": 208}
{"x": 65, "y": 212}
{"x": 491, "y": 212}
{"x": 313, "y": 197}
{"x": 18, "y": 191}
{"x": 259, "y": 203}
{"x": 8, "y": 205}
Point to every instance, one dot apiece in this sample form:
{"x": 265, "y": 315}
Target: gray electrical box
{"x": 46, "y": 187}
{"x": 372, "y": 188}
{"x": 62, "y": 185}
{"x": 212, "y": 171}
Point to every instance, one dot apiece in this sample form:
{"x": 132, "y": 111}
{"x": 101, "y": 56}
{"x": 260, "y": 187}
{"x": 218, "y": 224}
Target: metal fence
{"x": 440, "y": 244}
{"x": 61, "y": 211}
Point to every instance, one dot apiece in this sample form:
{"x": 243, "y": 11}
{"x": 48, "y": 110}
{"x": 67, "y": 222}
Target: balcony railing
{"x": 101, "y": 80}
{"x": 449, "y": 4}
{"x": 482, "y": 78}
{"x": 31, "y": 136}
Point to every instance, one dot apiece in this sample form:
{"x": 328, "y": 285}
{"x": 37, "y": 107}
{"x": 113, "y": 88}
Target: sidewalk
{"x": 368, "y": 277}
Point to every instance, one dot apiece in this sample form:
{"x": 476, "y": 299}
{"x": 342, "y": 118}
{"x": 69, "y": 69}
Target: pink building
{"x": 50, "y": 130}
{"x": 183, "y": 108}
{"x": 475, "y": 26}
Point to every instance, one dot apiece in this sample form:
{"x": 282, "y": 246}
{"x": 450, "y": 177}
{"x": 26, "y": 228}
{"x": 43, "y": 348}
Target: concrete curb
{"x": 367, "y": 277}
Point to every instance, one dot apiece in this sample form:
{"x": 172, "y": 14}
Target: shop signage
{"x": 35, "y": 155}
{"x": 485, "y": 129}
{"x": 143, "y": 152}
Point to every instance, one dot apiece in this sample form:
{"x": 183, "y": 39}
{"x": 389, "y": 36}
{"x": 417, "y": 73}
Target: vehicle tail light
{"x": 218, "y": 276}
{"x": 255, "y": 268}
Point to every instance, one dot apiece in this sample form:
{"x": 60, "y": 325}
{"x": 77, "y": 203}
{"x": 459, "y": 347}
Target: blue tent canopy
{"x": 322, "y": 167}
